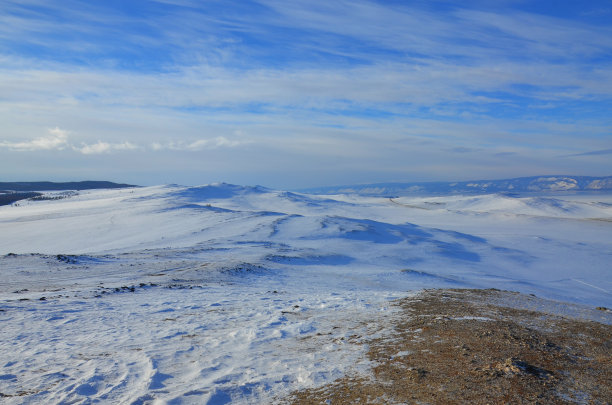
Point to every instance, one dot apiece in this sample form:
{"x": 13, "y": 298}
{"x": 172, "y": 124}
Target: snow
{"x": 222, "y": 293}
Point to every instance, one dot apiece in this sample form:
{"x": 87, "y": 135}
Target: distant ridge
{"x": 51, "y": 186}
{"x": 516, "y": 185}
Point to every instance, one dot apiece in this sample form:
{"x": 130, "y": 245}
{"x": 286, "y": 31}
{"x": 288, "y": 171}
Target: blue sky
{"x": 294, "y": 94}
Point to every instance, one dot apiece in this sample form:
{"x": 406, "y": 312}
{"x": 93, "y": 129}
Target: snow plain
{"x": 222, "y": 293}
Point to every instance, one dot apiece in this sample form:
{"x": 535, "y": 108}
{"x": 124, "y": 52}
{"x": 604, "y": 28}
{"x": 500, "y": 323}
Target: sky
{"x": 294, "y": 94}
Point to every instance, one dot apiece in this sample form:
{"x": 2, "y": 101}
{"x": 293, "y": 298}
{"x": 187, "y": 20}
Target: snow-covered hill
{"x": 224, "y": 293}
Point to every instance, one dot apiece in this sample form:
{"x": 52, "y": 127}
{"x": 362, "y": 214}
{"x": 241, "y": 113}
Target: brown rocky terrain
{"x": 480, "y": 347}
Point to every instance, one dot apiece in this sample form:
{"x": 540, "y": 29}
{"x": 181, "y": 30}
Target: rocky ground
{"x": 481, "y": 347}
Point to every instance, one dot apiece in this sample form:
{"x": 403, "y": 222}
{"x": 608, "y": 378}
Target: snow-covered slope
{"x": 572, "y": 206}
{"x": 222, "y": 293}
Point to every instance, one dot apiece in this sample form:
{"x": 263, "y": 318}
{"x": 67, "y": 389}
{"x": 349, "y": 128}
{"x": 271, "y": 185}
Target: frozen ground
{"x": 224, "y": 293}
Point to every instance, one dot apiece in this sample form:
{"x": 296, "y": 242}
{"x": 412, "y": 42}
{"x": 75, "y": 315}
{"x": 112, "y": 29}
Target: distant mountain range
{"x": 516, "y": 185}
{"x": 51, "y": 186}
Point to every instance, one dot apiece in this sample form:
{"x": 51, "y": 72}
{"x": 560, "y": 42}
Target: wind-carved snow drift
{"x": 224, "y": 293}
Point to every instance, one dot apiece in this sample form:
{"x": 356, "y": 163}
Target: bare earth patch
{"x": 477, "y": 346}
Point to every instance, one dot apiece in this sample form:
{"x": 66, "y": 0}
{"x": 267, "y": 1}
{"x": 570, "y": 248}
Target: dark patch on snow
{"x": 310, "y": 260}
{"x": 81, "y": 259}
{"x": 244, "y": 269}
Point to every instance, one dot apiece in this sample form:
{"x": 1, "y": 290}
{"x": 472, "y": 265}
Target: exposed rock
{"x": 464, "y": 346}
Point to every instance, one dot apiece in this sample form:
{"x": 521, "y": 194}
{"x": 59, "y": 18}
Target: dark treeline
{"x": 9, "y": 198}
{"x": 51, "y": 186}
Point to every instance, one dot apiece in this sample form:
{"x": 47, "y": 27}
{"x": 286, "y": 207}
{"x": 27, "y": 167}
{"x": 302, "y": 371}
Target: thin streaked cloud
{"x": 197, "y": 145}
{"x": 594, "y": 153}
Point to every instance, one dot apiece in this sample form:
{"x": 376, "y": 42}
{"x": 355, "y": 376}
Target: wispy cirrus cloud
{"x": 594, "y": 153}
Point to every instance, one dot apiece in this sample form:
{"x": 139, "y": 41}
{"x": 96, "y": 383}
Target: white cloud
{"x": 217, "y": 142}
{"x": 56, "y": 140}
{"x": 200, "y": 144}
{"x": 104, "y": 147}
